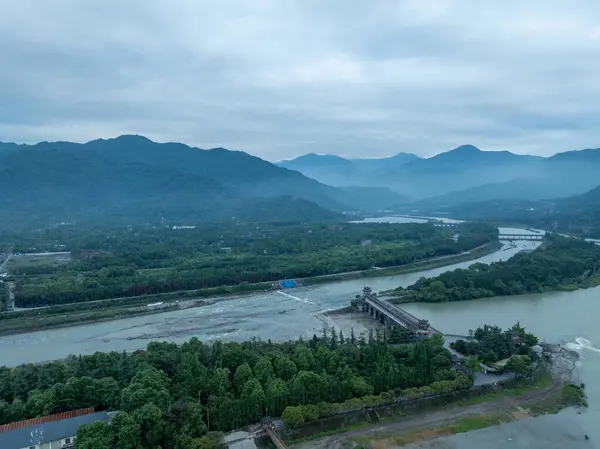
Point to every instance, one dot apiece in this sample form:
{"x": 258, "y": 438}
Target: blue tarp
{"x": 288, "y": 283}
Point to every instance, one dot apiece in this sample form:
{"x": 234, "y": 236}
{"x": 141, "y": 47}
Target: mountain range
{"x": 133, "y": 178}
{"x": 460, "y": 175}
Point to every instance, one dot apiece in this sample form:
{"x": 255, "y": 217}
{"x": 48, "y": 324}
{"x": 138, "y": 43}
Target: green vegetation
{"x": 491, "y": 344}
{"x": 562, "y": 261}
{"x": 126, "y": 262}
{"x": 576, "y": 215}
{"x": 569, "y": 396}
{"x": 474, "y": 423}
{"x": 170, "y": 395}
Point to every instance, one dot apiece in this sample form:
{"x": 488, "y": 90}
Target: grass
{"x": 476, "y": 423}
{"x": 570, "y": 396}
{"x": 460, "y": 426}
{"x": 544, "y": 382}
{"x": 328, "y": 433}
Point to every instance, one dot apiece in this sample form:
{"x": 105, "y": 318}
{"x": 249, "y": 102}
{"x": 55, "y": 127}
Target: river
{"x": 275, "y": 315}
{"x": 566, "y": 317}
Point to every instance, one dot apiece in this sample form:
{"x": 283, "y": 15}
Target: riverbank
{"x": 69, "y": 315}
{"x": 549, "y": 395}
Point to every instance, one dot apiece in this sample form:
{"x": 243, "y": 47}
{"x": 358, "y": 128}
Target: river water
{"x": 565, "y": 317}
{"x": 275, "y": 315}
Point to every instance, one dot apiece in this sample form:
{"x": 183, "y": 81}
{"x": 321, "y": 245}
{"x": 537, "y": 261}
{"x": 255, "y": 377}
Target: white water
{"x": 306, "y": 301}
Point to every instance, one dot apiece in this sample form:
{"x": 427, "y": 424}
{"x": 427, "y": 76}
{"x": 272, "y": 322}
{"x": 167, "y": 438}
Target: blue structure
{"x": 289, "y": 283}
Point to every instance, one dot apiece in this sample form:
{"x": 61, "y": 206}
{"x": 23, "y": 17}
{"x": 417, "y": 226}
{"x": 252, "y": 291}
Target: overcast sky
{"x": 278, "y": 78}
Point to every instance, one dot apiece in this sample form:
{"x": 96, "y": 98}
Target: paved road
{"x": 3, "y": 264}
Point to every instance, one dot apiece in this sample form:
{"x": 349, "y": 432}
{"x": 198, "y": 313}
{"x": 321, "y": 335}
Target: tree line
{"x": 562, "y": 262}
{"x": 176, "y": 396}
{"x": 129, "y": 262}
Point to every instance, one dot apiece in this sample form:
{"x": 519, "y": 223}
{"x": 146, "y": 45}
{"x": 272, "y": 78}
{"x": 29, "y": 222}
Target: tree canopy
{"x": 561, "y": 262}
{"x": 175, "y": 396}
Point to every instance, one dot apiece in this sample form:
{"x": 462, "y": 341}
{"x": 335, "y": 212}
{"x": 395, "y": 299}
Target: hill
{"x": 577, "y": 214}
{"x": 131, "y": 179}
{"x": 464, "y": 174}
{"x": 338, "y": 171}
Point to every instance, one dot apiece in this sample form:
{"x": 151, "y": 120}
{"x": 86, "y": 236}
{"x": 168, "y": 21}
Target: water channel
{"x": 565, "y": 317}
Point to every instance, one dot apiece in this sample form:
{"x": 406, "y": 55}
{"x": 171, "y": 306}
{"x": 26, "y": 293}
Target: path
{"x": 439, "y": 418}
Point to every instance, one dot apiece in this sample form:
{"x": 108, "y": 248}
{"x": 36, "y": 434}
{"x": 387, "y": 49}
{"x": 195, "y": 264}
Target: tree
{"x": 243, "y": 374}
{"x": 472, "y": 363}
{"x": 151, "y": 422}
{"x": 98, "y": 435}
{"x": 520, "y": 365}
{"x": 284, "y": 367}
{"x": 277, "y": 397}
{"x": 127, "y": 430}
{"x": 293, "y": 416}
{"x": 263, "y": 370}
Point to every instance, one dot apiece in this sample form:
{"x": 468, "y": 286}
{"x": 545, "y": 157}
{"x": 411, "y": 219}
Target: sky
{"x": 280, "y": 78}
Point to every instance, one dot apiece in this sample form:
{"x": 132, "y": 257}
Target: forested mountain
{"x": 463, "y": 174}
{"x": 45, "y": 186}
{"x": 131, "y": 178}
{"x": 577, "y": 214}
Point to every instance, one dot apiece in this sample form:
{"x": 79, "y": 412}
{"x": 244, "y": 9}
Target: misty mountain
{"x": 337, "y": 171}
{"x": 133, "y": 178}
{"x": 466, "y": 174}
{"x": 45, "y": 186}
{"x": 374, "y": 198}
{"x": 577, "y": 214}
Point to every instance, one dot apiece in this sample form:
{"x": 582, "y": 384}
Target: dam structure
{"x": 390, "y": 315}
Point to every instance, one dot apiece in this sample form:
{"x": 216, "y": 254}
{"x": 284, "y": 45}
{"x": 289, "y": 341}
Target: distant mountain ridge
{"x": 577, "y": 214}
{"x": 131, "y": 177}
{"x": 465, "y": 173}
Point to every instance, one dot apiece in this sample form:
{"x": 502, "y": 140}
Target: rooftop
{"x": 31, "y": 432}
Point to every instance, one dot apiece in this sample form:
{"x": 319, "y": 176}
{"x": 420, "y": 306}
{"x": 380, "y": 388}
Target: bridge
{"x": 520, "y": 236}
{"x": 390, "y": 315}
{"x": 443, "y": 224}
{"x": 277, "y": 441}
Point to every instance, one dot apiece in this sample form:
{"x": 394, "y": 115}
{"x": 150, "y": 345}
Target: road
{"x": 3, "y": 264}
{"x": 10, "y": 304}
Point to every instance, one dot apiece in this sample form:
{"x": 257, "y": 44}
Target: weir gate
{"x": 390, "y": 315}
{"x": 520, "y": 237}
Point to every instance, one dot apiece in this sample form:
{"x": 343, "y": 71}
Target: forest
{"x": 177, "y": 397}
{"x": 562, "y": 262}
{"x": 491, "y": 344}
{"x": 129, "y": 262}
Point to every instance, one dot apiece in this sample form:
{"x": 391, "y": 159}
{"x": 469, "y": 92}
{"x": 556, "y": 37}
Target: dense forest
{"x": 491, "y": 344}
{"x": 129, "y": 262}
{"x": 562, "y": 262}
{"x": 174, "y": 396}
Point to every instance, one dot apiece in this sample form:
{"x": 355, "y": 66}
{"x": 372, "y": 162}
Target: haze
{"x": 282, "y": 78}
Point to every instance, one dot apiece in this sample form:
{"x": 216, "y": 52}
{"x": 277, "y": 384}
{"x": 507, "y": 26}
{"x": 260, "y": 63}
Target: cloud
{"x": 279, "y": 78}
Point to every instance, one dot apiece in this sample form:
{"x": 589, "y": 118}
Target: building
{"x": 48, "y": 432}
